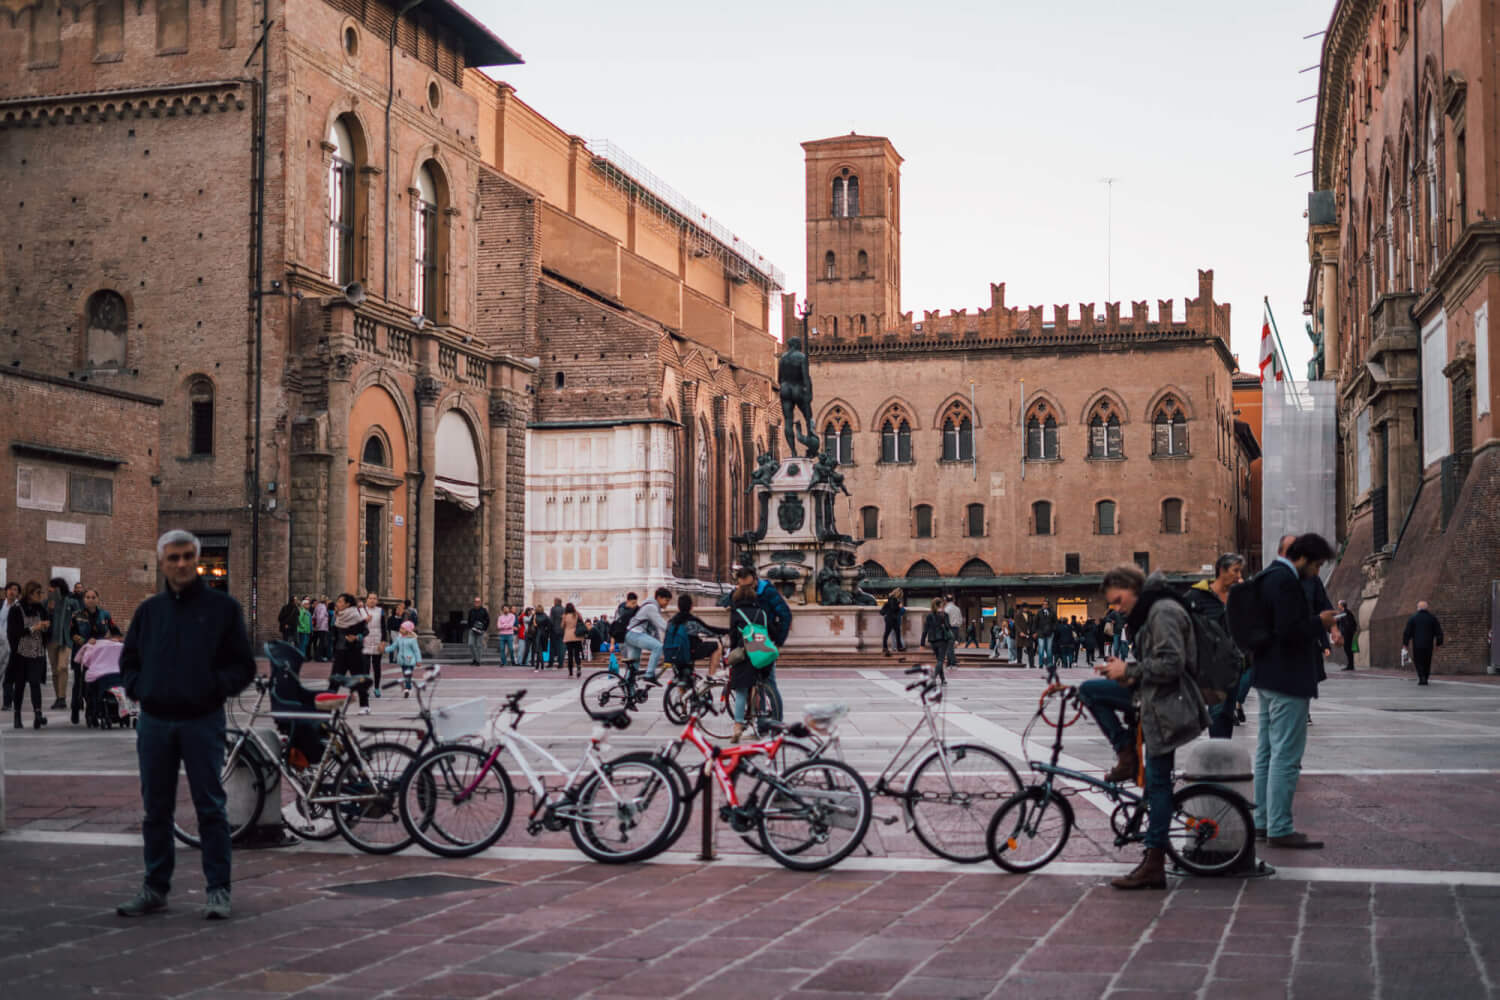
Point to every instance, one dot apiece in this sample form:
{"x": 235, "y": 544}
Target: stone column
{"x": 1331, "y": 359}
{"x": 335, "y": 571}
{"x": 497, "y": 504}
{"x": 427, "y": 392}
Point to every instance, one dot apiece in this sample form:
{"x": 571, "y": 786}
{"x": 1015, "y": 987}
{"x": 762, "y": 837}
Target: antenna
{"x": 1109, "y": 239}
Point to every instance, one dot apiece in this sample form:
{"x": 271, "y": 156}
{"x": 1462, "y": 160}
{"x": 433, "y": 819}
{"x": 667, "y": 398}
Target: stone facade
{"x": 1404, "y": 263}
{"x": 933, "y": 417}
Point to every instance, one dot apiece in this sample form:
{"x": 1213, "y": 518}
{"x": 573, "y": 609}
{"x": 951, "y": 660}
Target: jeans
{"x": 1044, "y": 650}
{"x": 197, "y": 746}
{"x": 476, "y": 644}
{"x": 508, "y": 651}
{"x": 1117, "y": 648}
{"x": 302, "y": 643}
{"x": 1158, "y": 799}
{"x": 1278, "y": 759}
{"x": 638, "y": 642}
{"x": 940, "y": 651}
{"x": 1103, "y": 698}
{"x": 892, "y": 629}
{"x": 521, "y": 652}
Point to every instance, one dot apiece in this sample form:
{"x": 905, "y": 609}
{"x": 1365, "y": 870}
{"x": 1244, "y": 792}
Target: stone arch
{"x": 976, "y": 567}
{"x": 345, "y": 105}
{"x": 850, "y": 414}
{"x": 106, "y": 326}
{"x": 457, "y": 402}
{"x": 922, "y": 570}
{"x": 1184, "y": 402}
{"x": 380, "y": 377}
{"x": 894, "y": 403}
{"x": 1034, "y": 397}
{"x": 1116, "y": 402}
{"x": 960, "y": 399}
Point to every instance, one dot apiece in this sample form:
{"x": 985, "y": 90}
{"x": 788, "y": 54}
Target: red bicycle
{"x": 809, "y": 815}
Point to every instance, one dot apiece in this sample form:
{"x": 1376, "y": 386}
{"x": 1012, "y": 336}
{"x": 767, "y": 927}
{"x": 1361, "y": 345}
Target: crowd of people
{"x": 62, "y": 630}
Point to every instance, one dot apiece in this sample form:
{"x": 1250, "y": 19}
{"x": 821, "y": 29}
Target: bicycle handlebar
{"x": 918, "y": 669}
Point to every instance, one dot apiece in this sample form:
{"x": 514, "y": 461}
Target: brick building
{"x": 1005, "y": 456}
{"x": 84, "y": 501}
{"x": 403, "y": 287}
{"x": 1404, "y": 255}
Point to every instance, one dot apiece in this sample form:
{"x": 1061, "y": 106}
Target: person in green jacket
{"x": 408, "y": 654}
{"x": 304, "y": 626}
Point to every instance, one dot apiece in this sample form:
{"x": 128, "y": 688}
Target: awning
{"x": 1059, "y": 581}
{"x": 457, "y": 478}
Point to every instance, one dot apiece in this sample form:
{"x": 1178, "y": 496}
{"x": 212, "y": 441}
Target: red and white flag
{"x": 1268, "y": 356}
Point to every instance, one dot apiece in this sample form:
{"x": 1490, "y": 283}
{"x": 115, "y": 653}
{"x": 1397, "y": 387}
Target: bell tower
{"x": 853, "y": 235}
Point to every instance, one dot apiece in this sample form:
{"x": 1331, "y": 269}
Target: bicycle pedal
{"x": 888, "y": 820}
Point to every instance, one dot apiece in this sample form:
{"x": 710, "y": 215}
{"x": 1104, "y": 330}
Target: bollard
{"x": 266, "y": 828}
{"x": 1226, "y": 763}
{"x": 706, "y": 786}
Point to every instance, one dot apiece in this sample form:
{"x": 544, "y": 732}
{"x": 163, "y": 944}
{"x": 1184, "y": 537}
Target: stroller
{"x": 108, "y": 705}
{"x": 305, "y": 740}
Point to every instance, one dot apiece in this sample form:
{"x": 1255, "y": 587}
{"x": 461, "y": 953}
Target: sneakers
{"x": 59, "y": 704}
{"x": 365, "y": 710}
{"x": 147, "y": 901}
{"x": 377, "y": 692}
{"x": 217, "y": 907}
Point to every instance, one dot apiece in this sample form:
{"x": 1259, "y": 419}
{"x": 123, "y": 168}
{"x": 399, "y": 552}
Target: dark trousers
{"x": 197, "y": 747}
{"x": 556, "y": 654}
{"x": 320, "y": 645}
{"x": 350, "y": 662}
{"x": 1422, "y": 660}
{"x": 24, "y": 671}
{"x": 77, "y": 697}
{"x": 372, "y": 666}
{"x": 1104, "y": 698}
{"x": 1159, "y": 800}
{"x": 575, "y": 655}
{"x": 941, "y": 651}
{"x": 892, "y": 629}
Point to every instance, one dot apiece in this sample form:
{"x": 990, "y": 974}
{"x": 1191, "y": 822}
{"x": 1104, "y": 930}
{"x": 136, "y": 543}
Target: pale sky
{"x": 1008, "y": 116}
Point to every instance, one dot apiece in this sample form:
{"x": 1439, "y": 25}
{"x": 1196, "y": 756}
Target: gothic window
{"x": 895, "y": 438}
{"x": 171, "y": 25}
{"x": 109, "y": 29}
{"x": 863, "y": 326}
{"x": 104, "y": 343}
{"x": 1106, "y": 437}
{"x": 1169, "y": 428}
{"x": 1041, "y": 432}
{"x": 922, "y": 520}
{"x": 1171, "y": 516}
{"x": 976, "y": 568}
{"x": 736, "y": 491}
{"x": 1041, "y": 517}
{"x": 1104, "y": 517}
{"x": 864, "y": 264}
{"x": 958, "y": 433}
{"x": 200, "y": 417}
{"x": 851, "y": 197}
{"x": 838, "y": 197}
{"x": 838, "y": 437}
{"x": 1434, "y": 201}
{"x": 341, "y": 169}
{"x": 922, "y": 570}
{"x": 845, "y": 195}
{"x": 427, "y": 277}
{"x": 374, "y": 452}
{"x": 1390, "y": 237}
{"x": 869, "y": 522}
{"x": 830, "y": 266}
{"x": 974, "y": 520}
{"x": 874, "y": 569}
{"x": 704, "y": 505}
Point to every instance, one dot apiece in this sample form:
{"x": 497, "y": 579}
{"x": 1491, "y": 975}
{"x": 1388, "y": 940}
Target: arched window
{"x": 838, "y": 436}
{"x": 427, "y": 278}
{"x": 838, "y": 197}
{"x": 200, "y": 417}
{"x": 1434, "y": 187}
{"x": 922, "y": 520}
{"x": 976, "y": 568}
{"x": 1390, "y": 236}
{"x": 864, "y": 264}
{"x": 830, "y": 267}
{"x": 895, "y": 440}
{"x": 1171, "y": 516}
{"x": 736, "y": 491}
{"x": 1104, "y": 517}
{"x": 958, "y": 434}
{"x": 869, "y": 522}
{"x": 704, "y": 507}
{"x": 863, "y": 326}
{"x": 341, "y": 196}
{"x": 875, "y": 569}
{"x": 104, "y": 341}
{"x": 922, "y": 570}
{"x": 1169, "y": 428}
{"x": 851, "y": 198}
{"x": 1370, "y": 254}
{"x": 1041, "y": 517}
{"x": 1041, "y": 432}
{"x": 374, "y": 452}
{"x": 1106, "y": 438}
{"x": 974, "y": 520}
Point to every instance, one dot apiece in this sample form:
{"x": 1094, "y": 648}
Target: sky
{"x": 1009, "y": 117}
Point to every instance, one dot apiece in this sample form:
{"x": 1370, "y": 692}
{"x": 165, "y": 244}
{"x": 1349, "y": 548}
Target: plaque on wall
{"x": 67, "y": 532}
{"x": 41, "y": 487}
{"x": 91, "y": 494}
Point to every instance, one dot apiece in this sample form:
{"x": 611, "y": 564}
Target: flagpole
{"x": 1278, "y": 347}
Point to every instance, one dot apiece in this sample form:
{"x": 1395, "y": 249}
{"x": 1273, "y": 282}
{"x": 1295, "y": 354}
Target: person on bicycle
{"x": 647, "y": 629}
{"x": 1160, "y": 682}
{"x": 744, "y": 609}
{"x": 702, "y": 645}
{"x": 778, "y": 614}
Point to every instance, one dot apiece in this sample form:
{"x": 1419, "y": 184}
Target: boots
{"x": 19, "y": 723}
{"x": 1127, "y": 766}
{"x": 39, "y": 721}
{"x": 1151, "y": 873}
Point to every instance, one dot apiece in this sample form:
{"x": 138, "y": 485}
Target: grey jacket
{"x": 1172, "y": 709}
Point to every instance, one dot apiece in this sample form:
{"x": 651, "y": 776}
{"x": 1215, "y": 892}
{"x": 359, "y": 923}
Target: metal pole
{"x": 260, "y": 257}
{"x": 1280, "y": 349}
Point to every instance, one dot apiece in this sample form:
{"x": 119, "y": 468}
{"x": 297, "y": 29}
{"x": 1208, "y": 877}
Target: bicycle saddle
{"x": 771, "y": 725}
{"x": 329, "y": 701}
{"x": 822, "y": 715}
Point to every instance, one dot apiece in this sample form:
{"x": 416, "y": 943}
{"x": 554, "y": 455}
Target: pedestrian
{"x": 523, "y": 626}
{"x": 559, "y": 635}
{"x": 573, "y": 633}
{"x": 1046, "y": 627}
{"x": 407, "y": 653}
{"x": 505, "y": 627}
{"x": 997, "y": 638}
{"x": 1158, "y": 684}
{"x": 1208, "y": 600}
{"x": 1422, "y": 634}
{"x": 373, "y": 646}
{"x": 599, "y": 636}
{"x": 938, "y": 635}
{"x": 478, "y": 623}
{"x": 956, "y": 623}
{"x": 286, "y": 619}
{"x": 744, "y": 610}
{"x": 349, "y": 630}
{"x": 186, "y": 653}
{"x": 647, "y": 629}
{"x": 321, "y": 649}
{"x": 409, "y": 612}
{"x": 1287, "y": 667}
{"x": 27, "y": 628}
{"x": 541, "y": 639}
{"x": 61, "y": 606}
{"x": 90, "y": 622}
{"x": 778, "y": 617}
{"x": 304, "y": 626}
{"x": 971, "y": 635}
{"x": 891, "y": 613}
{"x": 1347, "y": 627}
{"x": 12, "y": 598}
{"x": 1028, "y": 649}
{"x": 101, "y": 665}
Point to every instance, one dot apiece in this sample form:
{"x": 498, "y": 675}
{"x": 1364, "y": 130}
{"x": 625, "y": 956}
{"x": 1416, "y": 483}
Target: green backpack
{"x": 759, "y": 649}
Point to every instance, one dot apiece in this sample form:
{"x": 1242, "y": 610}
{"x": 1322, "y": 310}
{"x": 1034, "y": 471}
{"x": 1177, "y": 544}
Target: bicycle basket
{"x": 459, "y": 720}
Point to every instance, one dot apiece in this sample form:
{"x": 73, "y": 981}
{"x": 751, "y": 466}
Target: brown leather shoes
{"x": 1127, "y": 766}
{"x": 1295, "y": 841}
{"x": 1151, "y": 873}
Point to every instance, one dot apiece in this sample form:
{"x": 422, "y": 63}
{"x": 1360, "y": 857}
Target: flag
{"x": 1268, "y": 356}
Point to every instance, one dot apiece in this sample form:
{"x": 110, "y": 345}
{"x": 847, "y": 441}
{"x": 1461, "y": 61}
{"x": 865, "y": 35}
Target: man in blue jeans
{"x": 647, "y": 629}
{"x": 1287, "y": 670}
{"x": 186, "y": 653}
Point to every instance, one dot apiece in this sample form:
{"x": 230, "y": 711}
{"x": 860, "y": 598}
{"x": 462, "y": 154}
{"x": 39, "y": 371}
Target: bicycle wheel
{"x": 765, "y": 700}
{"x": 1029, "y": 830}
{"x": 372, "y": 823}
{"x": 625, "y": 814}
{"x": 1212, "y": 830}
{"x": 816, "y": 814}
{"x": 680, "y": 782}
{"x": 604, "y": 693}
{"x": 244, "y": 794}
{"x": 677, "y": 700}
{"x": 452, "y": 804}
{"x": 952, "y": 795}
{"x": 792, "y": 753}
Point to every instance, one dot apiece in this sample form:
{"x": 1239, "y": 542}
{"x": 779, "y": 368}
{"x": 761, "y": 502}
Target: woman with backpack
{"x": 541, "y": 641}
{"x": 744, "y": 611}
{"x": 687, "y": 639}
{"x": 937, "y": 634}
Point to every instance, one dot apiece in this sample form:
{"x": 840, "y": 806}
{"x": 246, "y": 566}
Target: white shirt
{"x": 955, "y": 616}
{"x": 373, "y": 645}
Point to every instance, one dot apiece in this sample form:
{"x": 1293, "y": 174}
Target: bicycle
{"x": 1211, "y": 831}
{"x": 944, "y": 799}
{"x": 709, "y": 698}
{"x": 457, "y": 800}
{"x": 605, "y": 692}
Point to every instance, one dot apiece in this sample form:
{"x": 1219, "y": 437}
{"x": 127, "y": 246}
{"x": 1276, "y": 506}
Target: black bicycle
{"x": 605, "y": 692}
{"x": 1212, "y": 831}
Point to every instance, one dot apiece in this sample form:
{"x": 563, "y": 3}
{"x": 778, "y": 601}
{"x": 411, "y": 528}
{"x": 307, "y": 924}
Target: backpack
{"x": 677, "y": 646}
{"x": 1219, "y": 662}
{"x": 1247, "y": 616}
{"x": 621, "y": 625}
{"x": 759, "y": 649}
{"x": 942, "y": 630}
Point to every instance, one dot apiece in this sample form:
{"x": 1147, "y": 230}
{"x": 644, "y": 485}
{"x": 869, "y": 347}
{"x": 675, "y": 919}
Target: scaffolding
{"x": 706, "y": 236}
{"x": 1299, "y": 445}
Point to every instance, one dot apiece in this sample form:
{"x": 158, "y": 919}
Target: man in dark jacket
{"x": 1423, "y": 632}
{"x": 1348, "y": 627}
{"x": 478, "y": 622}
{"x": 186, "y": 653}
{"x": 1286, "y": 676}
{"x": 555, "y": 616}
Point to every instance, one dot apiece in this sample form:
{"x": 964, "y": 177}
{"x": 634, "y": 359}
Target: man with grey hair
{"x": 186, "y": 653}
{"x": 1422, "y": 634}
